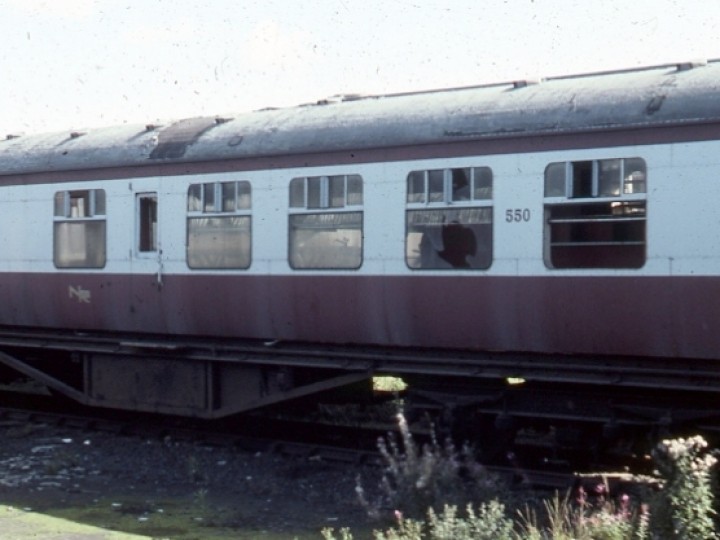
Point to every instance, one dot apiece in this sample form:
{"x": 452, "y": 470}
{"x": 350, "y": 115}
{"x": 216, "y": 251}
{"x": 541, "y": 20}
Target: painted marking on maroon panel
{"x": 83, "y": 296}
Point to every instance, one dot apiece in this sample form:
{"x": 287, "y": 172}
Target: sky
{"x": 79, "y": 64}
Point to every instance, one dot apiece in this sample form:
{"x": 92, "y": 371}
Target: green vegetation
{"x": 422, "y": 490}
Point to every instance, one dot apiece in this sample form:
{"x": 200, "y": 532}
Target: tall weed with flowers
{"x": 432, "y": 476}
{"x": 684, "y": 509}
{"x": 583, "y": 519}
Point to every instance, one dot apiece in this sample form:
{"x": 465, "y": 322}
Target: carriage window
{"x": 595, "y": 214}
{"x": 325, "y": 222}
{"x": 79, "y": 229}
{"x": 449, "y": 219}
{"x": 219, "y": 225}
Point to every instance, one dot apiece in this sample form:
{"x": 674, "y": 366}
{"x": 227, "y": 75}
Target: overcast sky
{"x": 71, "y": 64}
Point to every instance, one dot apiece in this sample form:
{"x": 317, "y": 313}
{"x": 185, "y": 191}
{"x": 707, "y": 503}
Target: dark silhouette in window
{"x": 459, "y": 243}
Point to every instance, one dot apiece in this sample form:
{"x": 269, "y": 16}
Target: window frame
{"x": 90, "y": 214}
{"x": 587, "y": 225}
{"x": 311, "y": 196}
{"x": 218, "y": 211}
{"x": 440, "y": 199}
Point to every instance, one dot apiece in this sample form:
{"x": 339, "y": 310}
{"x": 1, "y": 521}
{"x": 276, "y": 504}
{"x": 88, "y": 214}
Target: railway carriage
{"x": 560, "y": 233}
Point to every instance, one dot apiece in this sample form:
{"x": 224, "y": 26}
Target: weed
{"x": 194, "y": 471}
{"x": 200, "y": 498}
{"x": 487, "y": 523}
{"x": 567, "y": 519}
{"x": 684, "y": 507}
{"x": 328, "y": 533}
{"x": 415, "y": 479}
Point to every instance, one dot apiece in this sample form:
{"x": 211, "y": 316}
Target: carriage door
{"x": 147, "y": 237}
{"x": 147, "y": 243}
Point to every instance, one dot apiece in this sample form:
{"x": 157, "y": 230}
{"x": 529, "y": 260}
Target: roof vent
{"x": 330, "y": 100}
{"x": 692, "y": 64}
{"x": 352, "y": 97}
{"x": 524, "y": 83}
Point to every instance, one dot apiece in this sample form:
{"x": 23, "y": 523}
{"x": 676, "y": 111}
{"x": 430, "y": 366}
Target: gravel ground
{"x": 173, "y": 489}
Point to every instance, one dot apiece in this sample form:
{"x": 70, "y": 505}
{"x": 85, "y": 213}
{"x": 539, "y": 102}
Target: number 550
{"x": 516, "y": 215}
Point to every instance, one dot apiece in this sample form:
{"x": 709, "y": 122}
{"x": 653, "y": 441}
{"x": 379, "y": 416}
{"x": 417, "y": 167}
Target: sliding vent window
{"x": 326, "y": 222}
{"x": 449, "y": 219}
{"x": 219, "y": 226}
{"x": 595, "y": 214}
{"x": 79, "y": 229}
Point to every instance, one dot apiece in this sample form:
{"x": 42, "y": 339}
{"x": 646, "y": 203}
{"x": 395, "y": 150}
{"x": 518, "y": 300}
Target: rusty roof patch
{"x": 173, "y": 141}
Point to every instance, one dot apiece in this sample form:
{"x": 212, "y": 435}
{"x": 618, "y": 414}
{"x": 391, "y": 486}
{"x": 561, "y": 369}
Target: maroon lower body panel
{"x": 643, "y": 316}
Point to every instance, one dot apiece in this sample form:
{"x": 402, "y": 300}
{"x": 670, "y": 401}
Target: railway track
{"x": 324, "y": 442}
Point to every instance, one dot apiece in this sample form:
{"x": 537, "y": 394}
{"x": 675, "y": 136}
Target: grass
{"x": 179, "y": 519}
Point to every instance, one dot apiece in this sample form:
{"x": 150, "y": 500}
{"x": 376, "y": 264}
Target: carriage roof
{"x": 668, "y": 95}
